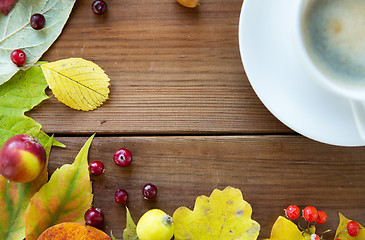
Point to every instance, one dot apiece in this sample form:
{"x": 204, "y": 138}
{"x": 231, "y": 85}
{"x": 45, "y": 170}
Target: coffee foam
{"x": 334, "y": 35}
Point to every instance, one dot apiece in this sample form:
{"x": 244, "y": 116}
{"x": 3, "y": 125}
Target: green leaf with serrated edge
{"x": 16, "y": 32}
{"x": 18, "y": 95}
{"x": 14, "y": 199}
{"x": 130, "y": 232}
{"x": 65, "y": 198}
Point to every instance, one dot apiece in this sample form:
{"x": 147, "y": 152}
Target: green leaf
{"x": 20, "y": 94}
{"x": 112, "y": 236}
{"x": 16, "y": 32}
{"x": 130, "y": 232}
{"x": 14, "y": 199}
{"x": 65, "y": 198}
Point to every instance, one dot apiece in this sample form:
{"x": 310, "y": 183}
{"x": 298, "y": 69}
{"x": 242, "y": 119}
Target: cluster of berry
{"x": 123, "y": 158}
{"x": 311, "y": 215}
{"x": 38, "y": 21}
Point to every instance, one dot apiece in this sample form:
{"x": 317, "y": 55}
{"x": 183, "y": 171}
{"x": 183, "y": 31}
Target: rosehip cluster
{"x": 309, "y": 213}
{"x": 312, "y": 215}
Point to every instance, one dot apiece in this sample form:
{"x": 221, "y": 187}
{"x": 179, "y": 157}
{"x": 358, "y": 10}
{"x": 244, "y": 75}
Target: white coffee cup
{"x": 328, "y": 37}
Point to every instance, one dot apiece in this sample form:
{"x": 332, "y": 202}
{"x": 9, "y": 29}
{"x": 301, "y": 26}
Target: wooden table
{"x": 181, "y": 103}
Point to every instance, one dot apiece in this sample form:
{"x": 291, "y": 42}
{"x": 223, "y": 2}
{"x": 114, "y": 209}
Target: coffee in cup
{"x": 333, "y": 35}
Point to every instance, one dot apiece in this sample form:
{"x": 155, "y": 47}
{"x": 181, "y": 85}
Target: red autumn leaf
{"x": 6, "y": 6}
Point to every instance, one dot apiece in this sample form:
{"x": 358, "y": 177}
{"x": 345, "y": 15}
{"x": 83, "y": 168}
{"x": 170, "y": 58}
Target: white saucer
{"x": 282, "y": 83}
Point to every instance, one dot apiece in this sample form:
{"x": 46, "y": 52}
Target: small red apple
{"x": 22, "y": 158}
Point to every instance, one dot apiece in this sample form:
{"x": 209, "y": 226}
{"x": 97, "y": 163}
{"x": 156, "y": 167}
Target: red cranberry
{"x": 122, "y": 157}
{"x": 37, "y": 21}
{"x": 18, "y": 57}
{"x": 94, "y": 217}
{"x": 96, "y": 168}
{"x": 99, "y": 7}
{"x": 149, "y": 191}
{"x": 121, "y": 196}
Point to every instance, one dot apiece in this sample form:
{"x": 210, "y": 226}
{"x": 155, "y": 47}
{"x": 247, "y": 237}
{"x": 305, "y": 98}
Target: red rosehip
{"x": 322, "y": 217}
{"x": 292, "y": 212}
{"x": 310, "y": 214}
{"x": 315, "y": 237}
{"x": 18, "y": 57}
{"x": 353, "y": 228}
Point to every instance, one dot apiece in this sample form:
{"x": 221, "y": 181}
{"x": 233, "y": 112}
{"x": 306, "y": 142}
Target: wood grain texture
{"x": 173, "y": 70}
{"x": 271, "y": 171}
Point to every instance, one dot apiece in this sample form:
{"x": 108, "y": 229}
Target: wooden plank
{"x": 173, "y": 70}
{"x": 271, "y": 171}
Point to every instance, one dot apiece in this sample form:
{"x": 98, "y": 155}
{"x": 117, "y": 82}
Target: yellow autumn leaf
{"x": 78, "y": 83}
{"x": 284, "y": 229}
{"x": 341, "y": 231}
{"x": 223, "y": 215}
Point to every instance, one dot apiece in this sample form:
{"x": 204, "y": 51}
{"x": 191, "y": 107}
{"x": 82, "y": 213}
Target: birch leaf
{"x": 223, "y": 215}
{"x": 24, "y": 91}
{"x": 16, "y": 32}
{"x": 14, "y": 199}
{"x": 65, "y": 198}
{"x": 78, "y": 83}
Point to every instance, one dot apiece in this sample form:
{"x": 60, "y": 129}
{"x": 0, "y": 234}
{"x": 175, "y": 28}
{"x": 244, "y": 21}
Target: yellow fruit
{"x": 155, "y": 225}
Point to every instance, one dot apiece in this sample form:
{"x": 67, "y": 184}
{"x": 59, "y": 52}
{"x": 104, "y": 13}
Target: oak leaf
{"x": 14, "y": 199}
{"x": 78, "y": 83}
{"x": 6, "y": 6}
{"x": 73, "y": 231}
{"x": 341, "y": 231}
{"x": 65, "y": 198}
{"x": 223, "y": 215}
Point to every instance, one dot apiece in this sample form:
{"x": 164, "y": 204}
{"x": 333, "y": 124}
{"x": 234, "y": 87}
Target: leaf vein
{"x": 72, "y": 80}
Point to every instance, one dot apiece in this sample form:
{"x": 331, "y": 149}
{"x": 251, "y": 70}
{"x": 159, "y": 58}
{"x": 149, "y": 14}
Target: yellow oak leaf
{"x": 223, "y": 215}
{"x": 78, "y": 83}
{"x": 284, "y": 229}
{"x": 341, "y": 231}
